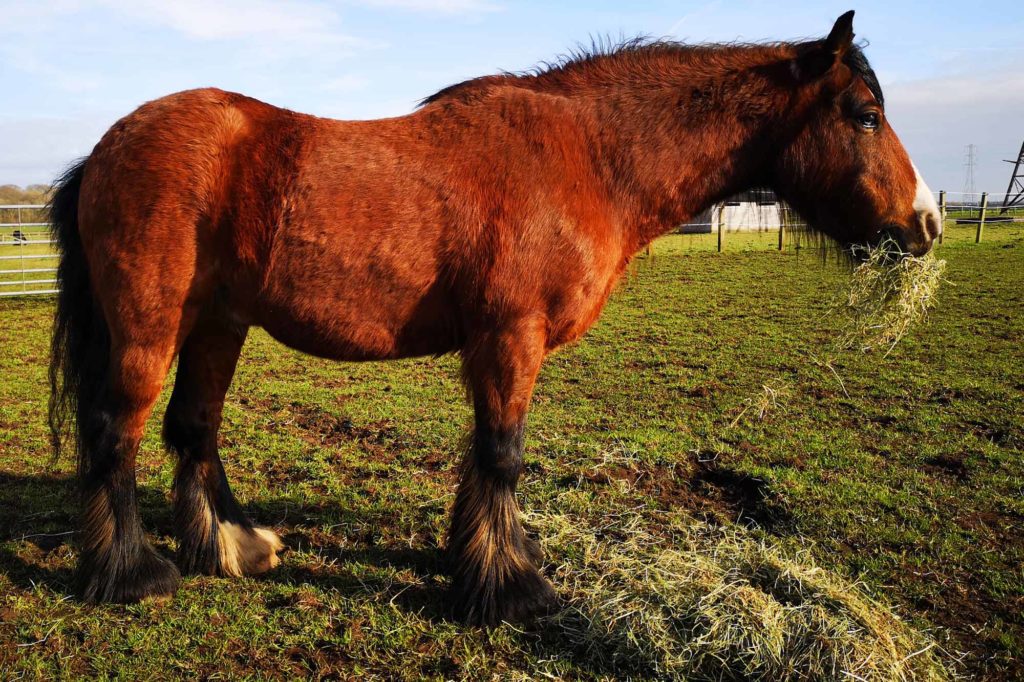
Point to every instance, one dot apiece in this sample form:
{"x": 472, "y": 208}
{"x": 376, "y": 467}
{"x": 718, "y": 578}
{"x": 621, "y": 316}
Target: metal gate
{"x": 28, "y": 263}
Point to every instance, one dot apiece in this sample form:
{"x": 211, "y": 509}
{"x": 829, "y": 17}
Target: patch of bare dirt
{"x": 950, "y": 465}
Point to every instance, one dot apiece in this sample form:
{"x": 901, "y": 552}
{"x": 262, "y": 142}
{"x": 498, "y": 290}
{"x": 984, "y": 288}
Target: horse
{"x": 493, "y": 221}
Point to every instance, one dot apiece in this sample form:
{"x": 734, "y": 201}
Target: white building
{"x": 753, "y": 211}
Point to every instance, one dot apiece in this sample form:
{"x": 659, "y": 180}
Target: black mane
{"x": 602, "y": 48}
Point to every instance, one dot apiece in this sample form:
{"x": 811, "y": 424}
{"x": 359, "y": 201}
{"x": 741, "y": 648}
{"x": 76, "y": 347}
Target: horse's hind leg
{"x": 215, "y": 537}
{"x": 492, "y": 561}
{"x": 117, "y": 564}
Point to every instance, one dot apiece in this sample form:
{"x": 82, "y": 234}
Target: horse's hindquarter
{"x": 355, "y": 270}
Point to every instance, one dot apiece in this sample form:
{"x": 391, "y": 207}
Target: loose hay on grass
{"x": 773, "y": 395}
{"x": 719, "y": 604}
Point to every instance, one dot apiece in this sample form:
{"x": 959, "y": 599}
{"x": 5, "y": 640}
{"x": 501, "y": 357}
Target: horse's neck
{"x": 665, "y": 165}
{"x": 663, "y": 174}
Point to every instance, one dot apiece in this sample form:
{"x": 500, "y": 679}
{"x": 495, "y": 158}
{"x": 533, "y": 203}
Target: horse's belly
{"x": 357, "y": 304}
{"x": 343, "y": 329}
{"x": 359, "y": 342}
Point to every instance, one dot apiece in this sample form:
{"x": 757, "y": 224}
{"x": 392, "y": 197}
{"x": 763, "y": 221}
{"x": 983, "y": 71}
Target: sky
{"x": 953, "y": 73}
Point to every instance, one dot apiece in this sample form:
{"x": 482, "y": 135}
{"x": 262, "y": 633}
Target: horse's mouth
{"x": 893, "y": 242}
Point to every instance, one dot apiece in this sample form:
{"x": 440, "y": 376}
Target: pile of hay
{"x": 890, "y": 292}
{"x": 718, "y": 604}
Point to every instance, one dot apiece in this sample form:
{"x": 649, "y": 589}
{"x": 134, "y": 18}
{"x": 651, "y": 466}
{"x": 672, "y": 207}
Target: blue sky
{"x": 953, "y": 73}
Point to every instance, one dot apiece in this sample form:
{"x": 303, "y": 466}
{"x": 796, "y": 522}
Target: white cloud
{"x": 37, "y": 149}
{"x": 697, "y": 13}
{"x": 346, "y": 83}
{"x": 442, "y": 6}
{"x": 67, "y": 80}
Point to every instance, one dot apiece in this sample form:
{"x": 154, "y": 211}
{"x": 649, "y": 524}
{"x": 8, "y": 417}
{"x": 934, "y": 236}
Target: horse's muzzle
{"x": 900, "y": 242}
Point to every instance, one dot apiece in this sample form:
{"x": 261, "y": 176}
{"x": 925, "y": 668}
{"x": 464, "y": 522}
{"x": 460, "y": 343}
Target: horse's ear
{"x": 840, "y": 37}
{"x": 820, "y": 59}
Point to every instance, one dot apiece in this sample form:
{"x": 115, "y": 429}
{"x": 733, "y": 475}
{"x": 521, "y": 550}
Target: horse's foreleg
{"x": 117, "y": 564}
{"x": 492, "y": 561}
{"x": 215, "y": 537}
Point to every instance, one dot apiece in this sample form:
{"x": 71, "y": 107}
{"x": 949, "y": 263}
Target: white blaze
{"x": 924, "y": 204}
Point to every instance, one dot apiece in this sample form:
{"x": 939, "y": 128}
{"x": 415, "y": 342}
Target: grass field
{"x": 905, "y": 482}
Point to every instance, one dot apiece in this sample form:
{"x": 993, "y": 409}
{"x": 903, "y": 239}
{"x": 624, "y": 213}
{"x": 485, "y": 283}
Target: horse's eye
{"x": 869, "y": 120}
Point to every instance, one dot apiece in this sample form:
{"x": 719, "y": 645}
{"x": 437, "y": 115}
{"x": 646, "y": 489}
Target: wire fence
{"x": 28, "y": 259}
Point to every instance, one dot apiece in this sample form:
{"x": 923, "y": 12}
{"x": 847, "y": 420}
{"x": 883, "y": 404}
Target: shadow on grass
{"x": 38, "y": 522}
{"x": 37, "y": 509}
{"x": 38, "y": 517}
{"x": 40, "y": 511}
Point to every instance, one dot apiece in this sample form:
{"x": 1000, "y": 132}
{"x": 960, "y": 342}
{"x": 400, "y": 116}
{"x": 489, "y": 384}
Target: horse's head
{"x": 841, "y": 165}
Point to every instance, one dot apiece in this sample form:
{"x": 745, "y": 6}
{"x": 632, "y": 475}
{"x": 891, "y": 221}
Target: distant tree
{"x": 33, "y": 194}
{"x": 39, "y": 192}
{"x": 10, "y": 194}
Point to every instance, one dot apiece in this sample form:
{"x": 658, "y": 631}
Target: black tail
{"x": 80, "y": 349}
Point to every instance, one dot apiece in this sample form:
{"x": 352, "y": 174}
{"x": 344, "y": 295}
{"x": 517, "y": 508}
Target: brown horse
{"x": 493, "y": 222}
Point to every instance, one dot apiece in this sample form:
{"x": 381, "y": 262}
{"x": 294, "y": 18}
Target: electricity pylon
{"x": 1015, "y": 190}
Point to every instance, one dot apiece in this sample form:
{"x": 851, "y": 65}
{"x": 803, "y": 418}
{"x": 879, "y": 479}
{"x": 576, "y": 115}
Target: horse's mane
{"x": 634, "y": 54}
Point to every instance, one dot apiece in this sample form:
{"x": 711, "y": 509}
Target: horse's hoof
{"x": 247, "y": 550}
{"x": 519, "y": 598}
{"x": 107, "y": 580}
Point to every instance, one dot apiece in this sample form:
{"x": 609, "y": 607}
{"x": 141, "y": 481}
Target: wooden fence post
{"x": 721, "y": 225}
{"x": 782, "y": 232}
{"x": 942, "y": 214}
{"x": 981, "y": 217}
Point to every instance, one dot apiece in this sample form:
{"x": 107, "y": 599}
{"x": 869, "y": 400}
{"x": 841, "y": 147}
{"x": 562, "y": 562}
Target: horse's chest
{"x": 573, "y": 314}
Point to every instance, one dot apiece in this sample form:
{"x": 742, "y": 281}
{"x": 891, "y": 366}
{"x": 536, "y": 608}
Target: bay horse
{"x": 493, "y": 222}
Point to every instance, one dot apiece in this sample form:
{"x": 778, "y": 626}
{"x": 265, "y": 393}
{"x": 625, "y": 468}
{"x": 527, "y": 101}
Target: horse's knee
{"x": 185, "y": 432}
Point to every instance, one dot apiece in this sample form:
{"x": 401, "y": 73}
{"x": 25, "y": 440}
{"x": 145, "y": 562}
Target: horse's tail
{"x": 80, "y": 347}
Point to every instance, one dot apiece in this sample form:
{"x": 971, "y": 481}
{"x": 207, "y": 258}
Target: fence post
{"x": 942, "y": 214}
{"x": 721, "y": 225}
{"x": 981, "y": 217}
{"x": 782, "y": 231}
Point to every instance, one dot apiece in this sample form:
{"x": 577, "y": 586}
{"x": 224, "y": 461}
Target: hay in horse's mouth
{"x": 890, "y": 292}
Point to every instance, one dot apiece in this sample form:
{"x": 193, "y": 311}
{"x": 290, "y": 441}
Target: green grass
{"x": 910, "y": 481}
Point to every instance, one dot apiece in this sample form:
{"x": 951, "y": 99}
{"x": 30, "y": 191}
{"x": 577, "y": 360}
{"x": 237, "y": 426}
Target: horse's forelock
{"x": 858, "y": 63}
